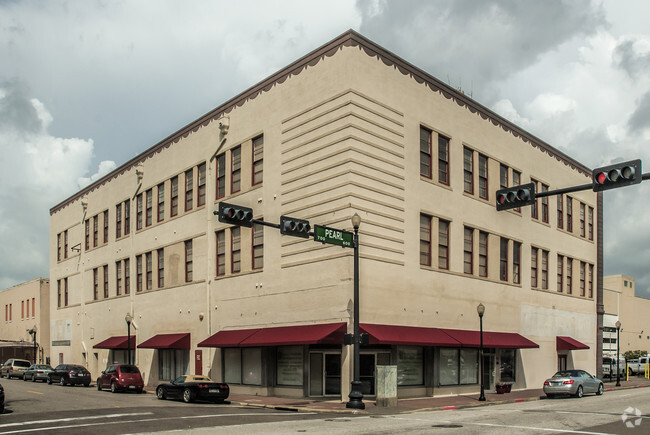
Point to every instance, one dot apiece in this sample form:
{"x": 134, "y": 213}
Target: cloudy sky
{"x": 87, "y": 85}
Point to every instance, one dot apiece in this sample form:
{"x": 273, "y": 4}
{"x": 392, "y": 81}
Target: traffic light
{"x": 294, "y": 227}
{"x": 517, "y": 196}
{"x": 618, "y": 175}
{"x": 235, "y": 215}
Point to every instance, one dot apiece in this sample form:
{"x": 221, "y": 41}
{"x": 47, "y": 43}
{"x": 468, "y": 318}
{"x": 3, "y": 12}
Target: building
{"x": 27, "y": 317}
{"x": 622, "y": 304}
{"x": 348, "y": 128}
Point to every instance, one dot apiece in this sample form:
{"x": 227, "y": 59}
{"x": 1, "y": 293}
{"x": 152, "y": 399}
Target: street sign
{"x": 333, "y": 236}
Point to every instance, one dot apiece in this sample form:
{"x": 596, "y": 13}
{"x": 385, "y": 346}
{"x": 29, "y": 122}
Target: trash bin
{"x": 386, "y": 379}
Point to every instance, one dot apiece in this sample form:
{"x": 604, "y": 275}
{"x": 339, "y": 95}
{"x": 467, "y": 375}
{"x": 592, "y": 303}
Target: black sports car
{"x": 193, "y": 387}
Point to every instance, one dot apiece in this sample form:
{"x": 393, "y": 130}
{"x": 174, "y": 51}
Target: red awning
{"x": 502, "y": 340}
{"x": 329, "y": 333}
{"x": 167, "y": 341}
{"x": 116, "y": 343}
{"x": 408, "y": 335}
{"x": 568, "y": 343}
{"x": 228, "y": 338}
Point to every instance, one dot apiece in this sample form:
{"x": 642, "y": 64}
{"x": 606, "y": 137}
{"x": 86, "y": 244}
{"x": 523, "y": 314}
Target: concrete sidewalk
{"x": 409, "y": 405}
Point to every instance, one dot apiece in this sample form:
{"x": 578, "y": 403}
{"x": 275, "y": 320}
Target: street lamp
{"x": 32, "y": 332}
{"x": 356, "y": 395}
{"x": 480, "y": 309}
{"x": 618, "y": 349}
{"x": 129, "y": 319}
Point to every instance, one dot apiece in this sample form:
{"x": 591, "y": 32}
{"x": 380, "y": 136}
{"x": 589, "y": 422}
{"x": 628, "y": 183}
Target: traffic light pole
{"x": 575, "y": 188}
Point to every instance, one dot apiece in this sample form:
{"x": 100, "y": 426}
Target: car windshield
{"x": 129, "y": 369}
{"x": 564, "y": 374}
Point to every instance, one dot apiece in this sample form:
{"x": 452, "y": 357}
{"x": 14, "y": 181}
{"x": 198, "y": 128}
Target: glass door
{"x": 324, "y": 374}
{"x": 488, "y": 368}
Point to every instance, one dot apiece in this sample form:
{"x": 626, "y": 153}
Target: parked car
{"x": 37, "y": 372}
{"x": 193, "y": 387}
{"x": 69, "y": 374}
{"x": 14, "y": 368}
{"x": 2, "y": 399}
{"x": 638, "y": 366}
{"x": 120, "y": 377}
{"x": 609, "y": 367}
{"x": 573, "y": 382}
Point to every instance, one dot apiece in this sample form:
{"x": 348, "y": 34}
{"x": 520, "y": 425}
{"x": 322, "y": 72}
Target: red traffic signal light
{"x": 235, "y": 215}
{"x": 294, "y": 227}
{"x": 517, "y": 196}
{"x": 617, "y": 175}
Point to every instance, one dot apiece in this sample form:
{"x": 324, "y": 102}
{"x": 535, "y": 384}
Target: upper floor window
{"x": 569, "y": 214}
{"x": 534, "y": 252}
{"x": 516, "y": 181}
{"x": 118, "y": 221}
{"x": 425, "y": 240}
{"x": 161, "y": 268}
{"x": 201, "y": 186}
{"x": 443, "y": 159}
{"x": 560, "y": 273}
{"x": 590, "y": 222}
{"x": 482, "y": 176}
{"x": 127, "y": 217}
{"x": 582, "y": 220}
{"x": 235, "y": 176}
{"x": 235, "y": 253}
{"x": 174, "y": 196}
{"x": 95, "y": 231}
{"x": 138, "y": 278}
{"x": 544, "y": 203}
{"x": 105, "y": 270}
{"x": 149, "y": 212}
{"x": 161, "y": 202}
{"x": 221, "y": 176}
{"x": 58, "y": 247}
{"x": 221, "y": 252}
{"x": 468, "y": 250}
{"x": 65, "y": 243}
{"x": 560, "y": 211}
{"x": 95, "y": 284}
{"x": 127, "y": 276}
{"x": 569, "y": 275}
{"x": 138, "y": 211}
{"x": 591, "y": 281}
{"x": 516, "y": 262}
{"x": 87, "y": 235}
{"x": 258, "y": 160}
{"x": 483, "y": 254}
{"x": 583, "y": 267}
{"x": 258, "y": 246}
{"x": 443, "y": 244}
{"x": 118, "y": 278}
{"x": 425, "y": 152}
{"x": 106, "y": 226}
{"x": 468, "y": 170}
{"x": 189, "y": 266}
{"x": 544, "y": 269}
{"x": 149, "y": 271}
{"x": 189, "y": 189}
{"x": 503, "y": 176}
{"x": 503, "y": 259}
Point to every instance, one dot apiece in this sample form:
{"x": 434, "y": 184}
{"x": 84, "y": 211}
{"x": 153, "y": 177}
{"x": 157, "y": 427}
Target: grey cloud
{"x": 640, "y": 119}
{"x": 627, "y": 58}
{"x": 15, "y": 109}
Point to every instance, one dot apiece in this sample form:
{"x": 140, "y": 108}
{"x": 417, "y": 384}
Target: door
{"x": 198, "y": 363}
{"x": 324, "y": 374}
{"x": 561, "y": 362}
{"x": 332, "y": 374}
{"x": 368, "y": 363}
{"x": 488, "y": 368}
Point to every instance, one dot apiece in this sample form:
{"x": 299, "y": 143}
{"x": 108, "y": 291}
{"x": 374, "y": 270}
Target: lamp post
{"x": 618, "y": 349}
{"x": 129, "y": 319}
{"x": 480, "y": 309}
{"x": 32, "y": 332}
{"x": 356, "y": 395}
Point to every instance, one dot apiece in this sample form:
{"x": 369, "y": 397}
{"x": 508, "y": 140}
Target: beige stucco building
{"x": 26, "y": 308}
{"x": 349, "y": 128}
{"x": 621, "y": 304}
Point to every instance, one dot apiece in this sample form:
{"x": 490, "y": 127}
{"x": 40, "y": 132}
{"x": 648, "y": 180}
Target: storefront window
{"x": 458, "y": 366}
{"x": 172, "y": 363}
{"x": 469, "y": 366}
{"x": 232, "y": 365}
{"x": 448, "y": 366}
{"x": 410, "y": 366}
{"x": 252, "y": 366}
{"x": 508, "y": 365}
{"x": 289, "y": 365}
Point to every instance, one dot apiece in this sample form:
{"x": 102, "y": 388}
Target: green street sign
{"x": 333, "y": 236}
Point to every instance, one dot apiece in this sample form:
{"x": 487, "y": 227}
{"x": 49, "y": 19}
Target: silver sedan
{"x": 572, "y": 382}
{"x": 37, "y": 372}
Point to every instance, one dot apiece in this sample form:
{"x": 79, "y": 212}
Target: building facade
{"x": 349, "y": 128}
{"x": 26, "y": 316}
{"x": 622, "y": 304}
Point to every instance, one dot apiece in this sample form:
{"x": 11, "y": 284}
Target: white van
{"x": 609, "y": 366}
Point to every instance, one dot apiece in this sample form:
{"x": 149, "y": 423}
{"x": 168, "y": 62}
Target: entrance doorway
{"x": 488, "y": 368}
{"x": 324, "y": 374}
{"x": 561, "y": 362}
{"x": 368, "y": 364}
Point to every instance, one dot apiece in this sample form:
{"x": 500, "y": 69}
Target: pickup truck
{"x": 609, "y": 367}
{"x": 638, "y": 366}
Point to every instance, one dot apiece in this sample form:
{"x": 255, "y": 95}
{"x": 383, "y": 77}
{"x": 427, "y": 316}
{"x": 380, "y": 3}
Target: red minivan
{"x": 121, "y": 377}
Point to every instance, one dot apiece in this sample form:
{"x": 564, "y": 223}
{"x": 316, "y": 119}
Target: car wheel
{"x": 550, "y": 396}
{"x": 113, "y": 387}
{"x": 160, "y": 393}
{"x": 99, "y": 386}
{"x": 579, "y": 392}
{"x": 62, "y": 381}
{"x": 188, "y": 395}
{"x": 49, "y": 380}
{"x": 600, "y": 390}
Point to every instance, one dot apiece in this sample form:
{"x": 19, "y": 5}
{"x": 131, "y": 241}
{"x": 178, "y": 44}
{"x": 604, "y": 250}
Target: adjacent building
{"x": 622, "y": 304}
{"x": 348, "y": 128}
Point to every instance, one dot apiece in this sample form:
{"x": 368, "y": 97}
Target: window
{"x": 425, "y": 152}
{"x": 516, "y": 262}
{"x": 95, "y": 231}
{"x": 118, "y": 278}
{"x": 149, "y": 213}
{"x": 516, "y": 181}
{"x": 468, "y": 170}
{"x": 87, "y": 225}
{"x": 127, "y": 217}
{"x": 33, "y": 307}
{"x": 118, "y": 221}
{"x": 410, "y": 365}
{"x": 161, "y": 268}
{"x": 590, "y": 222}
{"x": 105, "y": 281}
{"x": 508, "y": 365}
{"x": 583, "y": 267}
{"x": 221, "y": 252}
{"x": 127, "y": 276}
{"x": 503, "y": 259}
{"x": 533, "y": 266}
{"x": 458, "y": 366}
{"x": 27, "y": 306}
{"x": 425, "y": 240}
{"x": 173, "y": 363}
{"x": 545, "y": 204}
{"x": 560, "y": 273}
{"x": 544, "y": 269}
{"x": 443, "y": 244}
{"x": 65, "y": 291}
{"x": 161, "y": 202}
{"x": 569, "y": 276}
{"x": 258, "y": 246}
{"x": 235, "y": 175}
{"x": 591, "y": 281}
{"x": 221, "y": 176}
{"x": 149, "y": 264}
{"x": 503, "y": 176}
{"x": 482, "y": 176}
{"x": 560, "y": 211}
{"x": 58, "y": 297}
{"x": 534, "y": 208}
{"x": 200, "y": 200}
{"x": 95, "y": 284}
{"x": 138, "y": 280}
{"x": 258, "y": 160}
{"x": 468, "y": 250}
{"x": 289, "y": 363}
{"x": 65, "y": 244}
{"x": 443, "y": 160}
{"x": 243, "y": 365}
{"x": 58, "y": 247}
{"x": 569, "y": 214}
{"x": 22, "y": 309}
{"x": 106, "y": 226}
{"x": 582, "y": 220}
{"x": 188, "y": 261}
{"x": 189, "y": 189}
{"x": 174, "y": 198}
{"x": 235, "y": 255}
{"x": 138, "y": 208}
{"x": 483, "y": 254}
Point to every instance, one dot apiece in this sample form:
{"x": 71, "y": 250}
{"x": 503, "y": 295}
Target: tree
{"x": 634, "y": 354}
